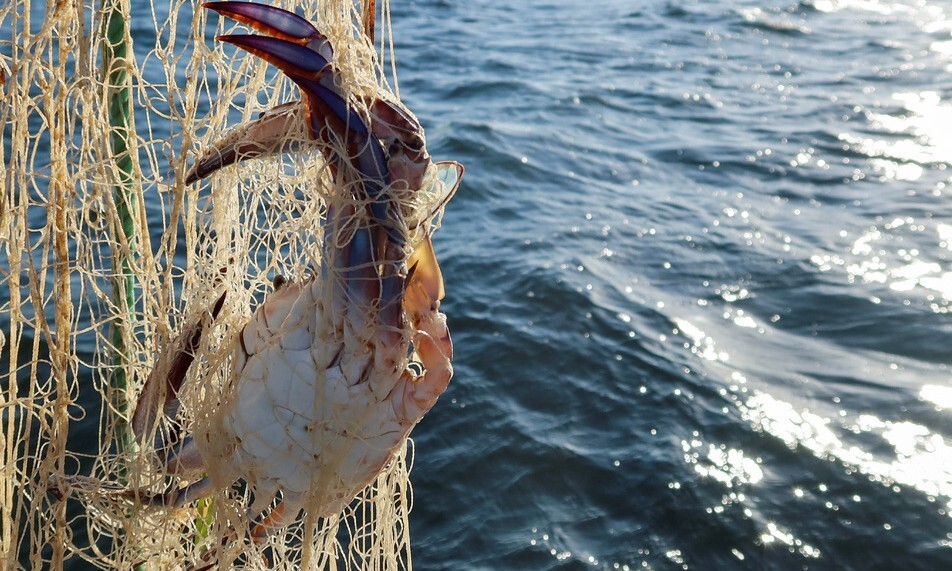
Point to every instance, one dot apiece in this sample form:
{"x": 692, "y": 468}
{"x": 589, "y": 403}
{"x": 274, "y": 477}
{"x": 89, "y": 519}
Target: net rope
{"x": 106, "y": 256}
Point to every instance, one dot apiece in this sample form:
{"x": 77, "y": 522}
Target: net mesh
{"x": 106, "y": 256}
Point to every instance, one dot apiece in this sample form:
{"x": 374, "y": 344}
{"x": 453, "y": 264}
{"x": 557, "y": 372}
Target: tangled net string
{"x": 106, "y": 255}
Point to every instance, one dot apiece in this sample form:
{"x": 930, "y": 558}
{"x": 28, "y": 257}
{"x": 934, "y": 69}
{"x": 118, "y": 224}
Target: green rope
{"x": 115, "y": 51}
{"x": 119, "y": 97}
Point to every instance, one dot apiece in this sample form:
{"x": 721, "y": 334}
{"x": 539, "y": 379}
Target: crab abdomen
{"x": 302, "y": 427}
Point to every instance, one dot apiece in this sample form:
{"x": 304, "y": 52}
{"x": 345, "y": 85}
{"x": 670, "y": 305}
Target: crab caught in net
{"x": 318, "y": 391}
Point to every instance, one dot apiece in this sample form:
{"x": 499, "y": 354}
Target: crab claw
{"x": 331, "y": 118}
{"x": 277, "y": 23}
{"x": 383, "y": 150}
{"x": 280, "y": 130}
{"x": 296, "y": 47}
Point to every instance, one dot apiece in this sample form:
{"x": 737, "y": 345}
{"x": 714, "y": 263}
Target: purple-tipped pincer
{"x": 277, "y": 23}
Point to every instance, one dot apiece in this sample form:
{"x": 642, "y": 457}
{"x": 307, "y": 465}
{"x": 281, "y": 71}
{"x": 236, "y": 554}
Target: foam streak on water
{"x": 698, "y": 277}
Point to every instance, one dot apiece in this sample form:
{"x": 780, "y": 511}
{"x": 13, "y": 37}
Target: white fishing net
{"x": 106, "y": 256}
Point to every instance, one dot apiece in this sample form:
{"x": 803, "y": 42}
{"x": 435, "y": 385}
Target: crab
{"x": 331, "y": 373}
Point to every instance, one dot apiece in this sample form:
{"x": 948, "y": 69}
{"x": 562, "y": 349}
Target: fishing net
{"x": 106, "y": 257}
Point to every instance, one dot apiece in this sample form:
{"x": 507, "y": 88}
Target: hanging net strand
{"x": 219, "y": 302}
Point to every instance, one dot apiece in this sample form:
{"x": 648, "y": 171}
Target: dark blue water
{"x": 698, "y": 277}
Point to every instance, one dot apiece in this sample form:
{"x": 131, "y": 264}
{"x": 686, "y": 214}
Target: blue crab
{"x": 331, "y": 373}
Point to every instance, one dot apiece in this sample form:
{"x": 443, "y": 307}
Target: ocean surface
{"x": 698, "y": 276}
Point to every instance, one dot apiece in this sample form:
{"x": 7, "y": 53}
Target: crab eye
{"x": 416, "y": 368}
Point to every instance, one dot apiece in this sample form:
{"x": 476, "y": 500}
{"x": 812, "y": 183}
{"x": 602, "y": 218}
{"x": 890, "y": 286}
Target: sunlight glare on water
{"x": 941, "y": 396}
{"x": 926, "y": 125}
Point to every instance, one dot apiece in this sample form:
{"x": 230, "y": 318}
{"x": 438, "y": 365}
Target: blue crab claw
{"x": 280, "y": 130}
{"x": 277, "y": 23}
{"x": 332, "y": 121}
{"x": 331, "y": 118}
{"x": 296, "y": 47}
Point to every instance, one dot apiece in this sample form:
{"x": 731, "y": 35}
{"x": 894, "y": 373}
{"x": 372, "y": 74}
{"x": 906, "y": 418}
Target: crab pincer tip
{"x": 275, "y": 22}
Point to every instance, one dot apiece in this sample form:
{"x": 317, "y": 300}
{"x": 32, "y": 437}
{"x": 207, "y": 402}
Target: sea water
{"x": 698, "y": 277}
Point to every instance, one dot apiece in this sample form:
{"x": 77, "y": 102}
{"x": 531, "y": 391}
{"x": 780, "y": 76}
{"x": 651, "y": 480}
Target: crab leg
{"x": 279, "y": 517}
{"x": 431, "y": 343}
{"x": 432, "y": 346}
{"x": 280, "y": 130}
{"x": 160, "y": 392}
{"x": 177, "y": 498}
